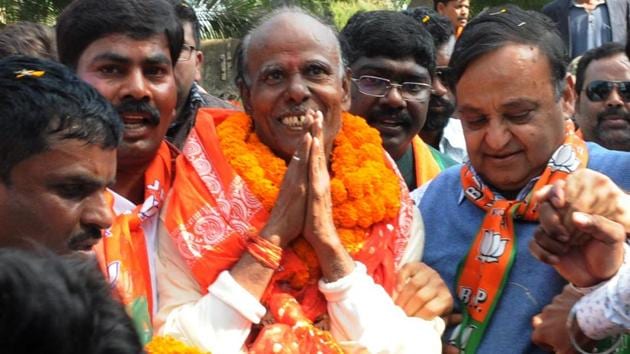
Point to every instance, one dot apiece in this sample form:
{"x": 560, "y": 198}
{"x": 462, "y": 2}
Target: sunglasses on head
{"x": 599, "y": 90}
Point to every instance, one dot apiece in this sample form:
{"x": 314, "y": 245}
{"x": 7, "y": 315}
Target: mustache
{"x": 129, "y": 105}
{"x": 613, "y": 111}
{"x": 88, "y": 233}
{"x": 437, "y": 120}
{"x": 401, "y": 114}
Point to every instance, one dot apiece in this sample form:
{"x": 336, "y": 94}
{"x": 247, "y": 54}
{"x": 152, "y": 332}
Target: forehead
{"x": 189, "y": 36}
{"x": 455, "y": 3}
{"x": 69, "y": 158}
{"x": 124, "y": 46}
{"x": 291, "y": 38}
{"x": 390, "y": 68}
{"x": 512, "y": 72}
{"x": 613, "y": 68}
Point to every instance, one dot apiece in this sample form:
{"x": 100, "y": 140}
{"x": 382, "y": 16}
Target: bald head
{"x": 294, "y": 20}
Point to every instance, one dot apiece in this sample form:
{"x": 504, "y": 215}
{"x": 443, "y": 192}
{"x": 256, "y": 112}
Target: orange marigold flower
{"x": 364, "y": 188}
{"x": 170, "y": 345}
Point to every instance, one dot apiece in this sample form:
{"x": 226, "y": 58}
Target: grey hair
{"x": 243, "y": 47}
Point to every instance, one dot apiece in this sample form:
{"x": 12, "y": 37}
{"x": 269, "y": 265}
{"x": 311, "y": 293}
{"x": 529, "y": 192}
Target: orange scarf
{"x": 122, "y": 251}
{"x": 426, "y": 166}
{"x": 487, "y": 265}
{"x": 213, "y": 208}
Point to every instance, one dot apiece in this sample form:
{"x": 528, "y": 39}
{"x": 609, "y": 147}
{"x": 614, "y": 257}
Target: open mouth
{"x": 293, "y": 122}
{"x": 135, "y": 119}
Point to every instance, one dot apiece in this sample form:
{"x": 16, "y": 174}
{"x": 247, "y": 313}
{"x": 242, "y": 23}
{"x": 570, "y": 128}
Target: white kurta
{"x": 360, "y": 310}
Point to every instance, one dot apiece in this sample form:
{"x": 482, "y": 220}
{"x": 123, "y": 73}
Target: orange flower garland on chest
{"x": 364, "y": 189}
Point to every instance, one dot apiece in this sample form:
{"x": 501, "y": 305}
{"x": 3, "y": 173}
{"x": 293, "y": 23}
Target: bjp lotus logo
{"x": 492, "y": 247}
{"x": 564, "y": 159}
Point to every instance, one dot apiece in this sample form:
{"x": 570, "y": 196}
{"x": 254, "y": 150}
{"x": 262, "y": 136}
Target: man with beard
{"x": 602, "y": 108}
{"x": 127, "y": 50}
{"x": 391, "y": 87}
{"x": 58, "y": 140}
{"x": 440, "y": 130}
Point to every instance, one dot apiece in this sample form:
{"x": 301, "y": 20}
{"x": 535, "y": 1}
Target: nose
{"x": 614, "y": 99}
{"x": 135, "y": 86}
{"x": 298, "y": 90}
{"x": 393, "y": 97}
{"x": 438, "y": 88}
{"x": 97, "y": 212}
{"x": 498, "y": 135}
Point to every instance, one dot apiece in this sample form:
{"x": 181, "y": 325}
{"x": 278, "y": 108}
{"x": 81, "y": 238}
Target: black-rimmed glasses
{"x": 379, "y": 87}
{"x": 599, "y": 90}
{"x": 186, "y": 52}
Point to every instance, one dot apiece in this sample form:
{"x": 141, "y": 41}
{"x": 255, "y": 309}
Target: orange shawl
{"x": 211, "y": 210}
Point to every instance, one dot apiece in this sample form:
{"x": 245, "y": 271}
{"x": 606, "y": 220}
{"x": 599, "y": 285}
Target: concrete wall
{"x": 218, "y": 70}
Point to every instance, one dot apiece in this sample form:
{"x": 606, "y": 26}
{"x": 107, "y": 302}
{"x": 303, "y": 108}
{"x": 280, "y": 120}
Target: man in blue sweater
{"x": 514, "y": 104}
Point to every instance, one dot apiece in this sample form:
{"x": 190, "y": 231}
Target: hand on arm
{"x": 584, "y": 247}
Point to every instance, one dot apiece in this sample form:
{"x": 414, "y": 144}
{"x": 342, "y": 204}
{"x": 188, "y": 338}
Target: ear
{"x": 198, "y": 65}
{"x": 245, "y": 97}
{"x": 345, "y": 86}
{"x": 568, "y": 97}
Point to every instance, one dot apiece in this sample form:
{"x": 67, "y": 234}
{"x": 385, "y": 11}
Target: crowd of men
{"x": 418, "y": 182}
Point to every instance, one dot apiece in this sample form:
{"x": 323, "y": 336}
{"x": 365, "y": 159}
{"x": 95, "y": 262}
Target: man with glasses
{"x": 190, "y": 95}
{"x": 602, "y": 108}
{"x": 440, "y": 130}
{"x": 391, "y": 87}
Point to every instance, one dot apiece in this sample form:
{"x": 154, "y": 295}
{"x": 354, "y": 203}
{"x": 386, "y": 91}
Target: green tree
{"x": 42, "y": 11}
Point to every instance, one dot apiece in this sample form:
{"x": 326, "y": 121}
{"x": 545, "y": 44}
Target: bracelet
{"x": 265, "y": 252}
{"x": 570, "y": 322}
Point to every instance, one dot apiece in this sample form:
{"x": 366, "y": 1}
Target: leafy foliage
{"x": 232, "y": 18}
{"x": 42, "y": 11}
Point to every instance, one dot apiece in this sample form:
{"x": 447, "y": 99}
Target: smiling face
{"x": 56, "y": 198}
{"x": 512, "y": 126}
{"x": 606, "y": 122}
{"x": 398, "y": 120}
{"x": 293, "y": 64}
{"x": 136, "y": 76}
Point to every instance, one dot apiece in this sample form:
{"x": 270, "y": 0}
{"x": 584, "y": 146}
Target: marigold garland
{"x": 170, "y": 345}
{"x": 364, "y": 189}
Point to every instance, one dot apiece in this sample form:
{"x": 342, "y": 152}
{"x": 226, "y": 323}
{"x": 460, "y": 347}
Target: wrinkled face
{"x": 512, "y": 127}
{"x": 605, "y": 122}
{"x": 136, "y": 76}
{"x": 442, "y": 104}
{"x": 293, "y": 65}
{"x": 456, "y": 10}
{"x": 398, "y": 120}
{"x": 56, "y": 198}
{"x": 187, "y": 71}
